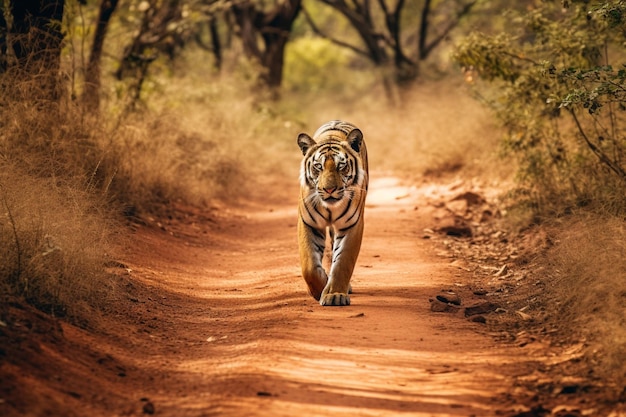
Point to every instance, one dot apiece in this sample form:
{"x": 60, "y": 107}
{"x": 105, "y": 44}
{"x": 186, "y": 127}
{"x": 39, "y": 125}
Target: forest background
{"x": 115, "y": 110}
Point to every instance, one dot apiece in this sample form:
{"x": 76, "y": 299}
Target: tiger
{"x": 334, "y": 178}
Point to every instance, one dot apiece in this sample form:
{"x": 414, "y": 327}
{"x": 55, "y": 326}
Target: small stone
{"x": 537, "y": 411}
{"x": 458, "y": 207}
{"x": 456, "y": 230}
{"x": 440, "y": 307}
{"x": 470, "y": 197}
{"x": 481, "y": 308}
{"x": 449, "y": 297}
{"x": 479, "y": 319}
{"x": 148, "y": 408}
{"x": 570, "y": 389}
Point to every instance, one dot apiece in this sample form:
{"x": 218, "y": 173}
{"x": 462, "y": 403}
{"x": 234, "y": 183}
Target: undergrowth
{"x": 54, "y": 241}
{"x": 554, "y": 79}
{"x": 54, "y": 222}
{"x": 586, "y": 287}
{"x": 67, "y": 177}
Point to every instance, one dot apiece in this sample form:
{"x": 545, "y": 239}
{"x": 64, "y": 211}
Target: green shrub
{"x": 554, "y": 84}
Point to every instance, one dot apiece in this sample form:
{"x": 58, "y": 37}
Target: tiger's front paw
{"x": 335, "y": 299}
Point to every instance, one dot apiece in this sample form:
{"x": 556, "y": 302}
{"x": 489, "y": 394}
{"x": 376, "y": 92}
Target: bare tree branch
{"x": 423, "y": 30}
{"x": 321, "y": 34}
{"x": 426, "y": 49}
{"x": 361, "y": 20}
{"x": 612, "y": 165}
{"x": 392, "y": 21}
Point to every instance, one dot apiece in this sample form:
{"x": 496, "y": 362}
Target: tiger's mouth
{"x": 330, "y": 195}
{"x": 331, "y": 199}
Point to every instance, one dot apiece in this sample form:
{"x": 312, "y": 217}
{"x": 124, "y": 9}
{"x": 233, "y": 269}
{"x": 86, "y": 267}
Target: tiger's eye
{"x": 317, "y": 166}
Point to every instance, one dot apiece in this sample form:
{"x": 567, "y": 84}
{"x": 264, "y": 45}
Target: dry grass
{"x": 587, "y": 289}
{"x": 435, "y": 131}
{"x": 53, "y": 244}
{"x": 64, "y": 174}
{"x": 157, "y": 161}
{"x": 53, "y": 229}
{"x": 432, "y": 129}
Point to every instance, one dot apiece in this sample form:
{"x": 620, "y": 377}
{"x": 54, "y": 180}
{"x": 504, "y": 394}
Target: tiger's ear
{"x": 305, "y": 142}
{"x": 355, "y": 138}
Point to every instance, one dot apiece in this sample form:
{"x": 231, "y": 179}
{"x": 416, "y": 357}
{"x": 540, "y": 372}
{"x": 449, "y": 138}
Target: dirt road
{"x": 218, "y": 323}
{"x": 235, "y": 333}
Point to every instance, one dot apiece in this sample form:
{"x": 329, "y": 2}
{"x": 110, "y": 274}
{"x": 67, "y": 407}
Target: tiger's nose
{"x": 330, "y": 190}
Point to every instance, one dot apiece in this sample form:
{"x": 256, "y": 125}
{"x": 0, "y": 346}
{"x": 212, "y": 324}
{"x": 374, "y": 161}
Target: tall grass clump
{"x": 49, "y": 138}
{"x": 158, "y": 161}
{"x": 237, "y": 134}
{"x": 54, "y": 222}
{"x": 587, "y": 290}
{"x": 54, "y": 242}
{"x": 67, "y": 176}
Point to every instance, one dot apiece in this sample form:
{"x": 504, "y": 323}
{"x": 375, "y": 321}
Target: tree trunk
{"x": 155, "y": 36}
{"x": 361, "y": 21}
{"x": 91, "y": 93}
{"x": 3, "y": 41}
{"x": 405, "y": 68}
{"x": 216, "y": 43}
{"x": 277, "y": 28}
{"x": 423, "y": 31}
{"x": 274, "y": 28}
{"x": 274, "y": 59}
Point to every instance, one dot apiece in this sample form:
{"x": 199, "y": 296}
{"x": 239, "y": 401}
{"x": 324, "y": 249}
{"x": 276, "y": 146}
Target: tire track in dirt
{"x": 251, "y": 342}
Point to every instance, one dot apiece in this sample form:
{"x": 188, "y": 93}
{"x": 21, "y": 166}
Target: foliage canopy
{"x": 558, "y": 83}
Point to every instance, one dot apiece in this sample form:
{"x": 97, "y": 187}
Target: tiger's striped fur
{"x": 333, "y": 186}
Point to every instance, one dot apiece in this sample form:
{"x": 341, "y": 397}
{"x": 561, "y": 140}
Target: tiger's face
{"x": 330, "y": 166}
{"x": 330, "y": 173}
